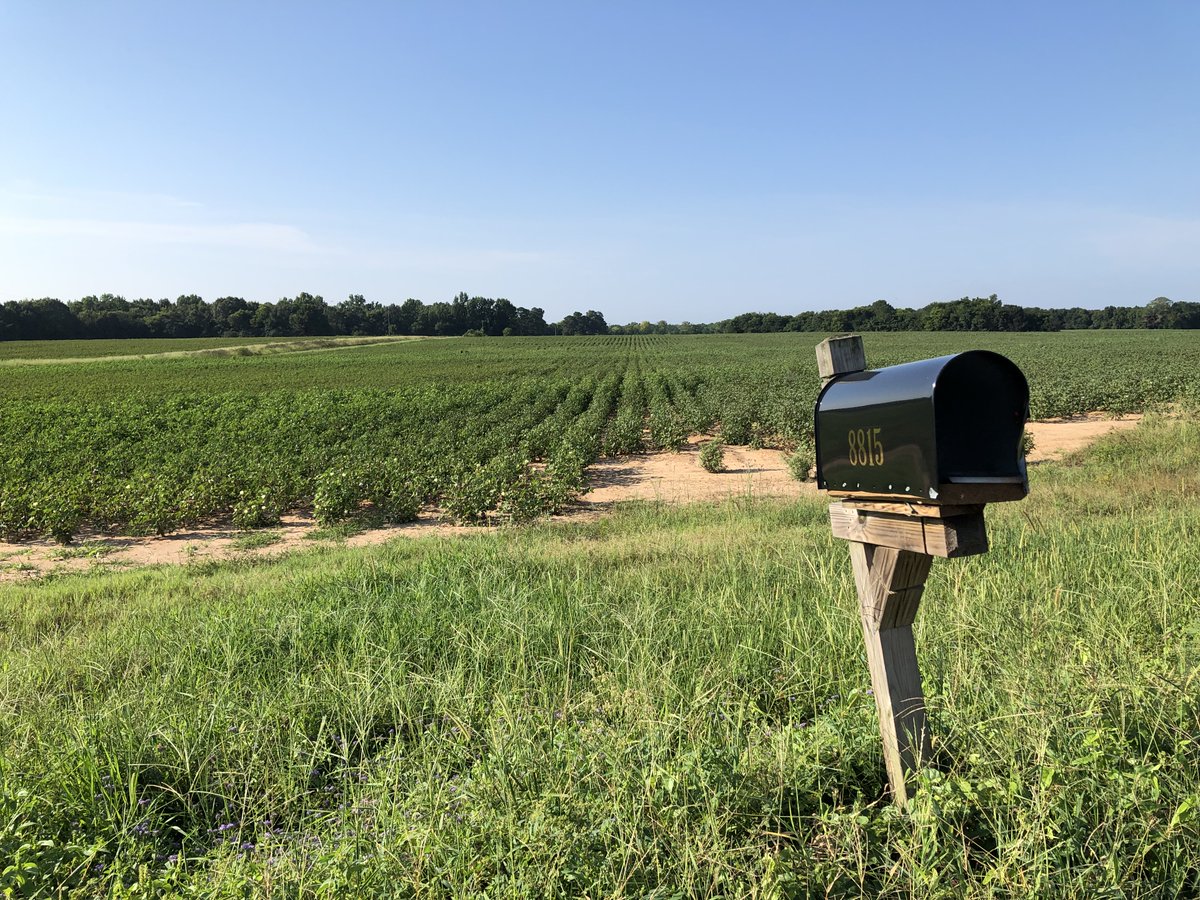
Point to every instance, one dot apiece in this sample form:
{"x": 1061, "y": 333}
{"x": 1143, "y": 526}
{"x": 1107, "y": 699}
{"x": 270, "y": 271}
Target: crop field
{"x": 484, "y": 430}
{"x": 47, "y": 350}
{"x": 27, "y": 353}
{"x": 667, "y": 701}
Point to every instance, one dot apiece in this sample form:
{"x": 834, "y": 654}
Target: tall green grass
{"x": 668, "y": 702}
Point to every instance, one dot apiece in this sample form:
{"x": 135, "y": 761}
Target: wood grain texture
{"x": 900, "y": 703}
{"x": 890, "y": 583}
{"x": 951, "y": 537}
{"x": 840, "y": 356}
{"x": 915, "y": 508}
{"x": 893, "y": 590}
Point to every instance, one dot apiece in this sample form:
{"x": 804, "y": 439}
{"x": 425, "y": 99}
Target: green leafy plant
{"x": 256, "y": 509}
{"x": 255, "y": 540}
{"x": 712, "y": 456}
{"x": 58, "y": 515}
{"x": 736, "y": 428}
{"x": 667, "y": 430}
{"x": 339, "y": 495}
{"x": 758, "y": 436}
{"x": 394, "y": 492}
{"x": 802, "y": 459}
{"x": 624, "y": 434}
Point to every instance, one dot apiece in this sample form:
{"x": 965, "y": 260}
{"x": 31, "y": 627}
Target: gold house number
{"x": 866, "y": 449}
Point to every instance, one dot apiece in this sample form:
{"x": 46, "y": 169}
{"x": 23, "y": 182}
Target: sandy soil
{"x": 666, "y": 477}
{"x": 1055, "y": 438}
{"x": 679, "y": 478}
{"x": 90, "y": 551}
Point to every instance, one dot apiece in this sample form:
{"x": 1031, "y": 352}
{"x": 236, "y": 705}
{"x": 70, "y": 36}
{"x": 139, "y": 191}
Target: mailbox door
{"x": 981, "y": 402}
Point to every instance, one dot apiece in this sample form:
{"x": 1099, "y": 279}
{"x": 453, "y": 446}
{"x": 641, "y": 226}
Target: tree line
{"x": 966, "y": 314}
{"x": 112, "y": 316}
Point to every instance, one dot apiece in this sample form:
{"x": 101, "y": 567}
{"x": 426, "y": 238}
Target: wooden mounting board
{"x": 927, "y": 510}
{"x": 950, "y": 537}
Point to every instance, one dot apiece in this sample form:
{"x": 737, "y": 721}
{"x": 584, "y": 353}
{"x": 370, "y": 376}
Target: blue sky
{"x": 651, "y": 160}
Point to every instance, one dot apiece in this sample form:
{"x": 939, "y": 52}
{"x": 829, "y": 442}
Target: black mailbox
{"x": 945, "y": 430}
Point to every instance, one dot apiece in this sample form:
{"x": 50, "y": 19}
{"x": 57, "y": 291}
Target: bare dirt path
{"x": 1055, "y": 438}
{"x": 92, "y": 551}
{"x": 679, "y": 478}
{"x": 268, "y": 348}
{"x": 666, "y": 477}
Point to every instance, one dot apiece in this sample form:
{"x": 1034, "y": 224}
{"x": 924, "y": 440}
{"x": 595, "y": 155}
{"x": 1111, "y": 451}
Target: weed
{"x": 256, "y": 540}
{"x": 712, "y": 456}
{"x": 91, "y": 550}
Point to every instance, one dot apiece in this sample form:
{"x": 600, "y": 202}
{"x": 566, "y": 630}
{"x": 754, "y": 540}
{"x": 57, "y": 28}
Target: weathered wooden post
{"x": 913, "y": 452}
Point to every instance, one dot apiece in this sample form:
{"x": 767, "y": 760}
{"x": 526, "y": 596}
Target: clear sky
{"x": 652, "y": 160}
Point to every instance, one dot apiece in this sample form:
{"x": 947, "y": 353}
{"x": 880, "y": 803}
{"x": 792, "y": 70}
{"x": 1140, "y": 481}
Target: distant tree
{"x": 1008, "y": 318}
{"x": 591, "y": 322}
{"x": 224, "y": 309}
{"x": 1184, "y": 315}
{"x": 596, "y": 322}
{"x": 240, "y": 323}
{"x": 193, "y": 317}
{"x": 530, "y": 322}
{"x": 571, "y": 324}
{"x": 503, "y": 314}
{"x": 112, "y": 316}
{"x": 351, "y": 316}
{"x": 1076, "y": 318}
{"x": 265, "y": 323}
{"x": 406, "y": 317}
{"x": 109, "y": 316}
{"x": 47, "y": 319}
{"x": 1157, "y": 313}
{"x": 883, "y": 315}
{"x": 309, "y": 315}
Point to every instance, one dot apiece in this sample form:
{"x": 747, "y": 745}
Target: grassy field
{"x": 669, "y": 702}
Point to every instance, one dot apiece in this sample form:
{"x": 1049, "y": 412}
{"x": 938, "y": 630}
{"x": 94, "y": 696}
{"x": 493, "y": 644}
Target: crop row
{"x": 481, "y": 430}
{"x": 479, "y": 452}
